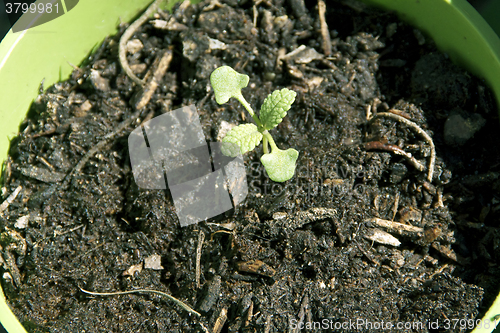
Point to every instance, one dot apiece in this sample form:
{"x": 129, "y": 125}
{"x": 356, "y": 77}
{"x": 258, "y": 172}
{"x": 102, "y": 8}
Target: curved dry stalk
{"x": 420, "y": 131}
{"x": 122, "y": 50}
{"x": 396, "y": 150}
{"x": 138, "y": 291}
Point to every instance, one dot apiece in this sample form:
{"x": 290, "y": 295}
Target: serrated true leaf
{"x": 275, "y": 106}
{"x": 227, "y": 83}
{"x": 246, "y": 136}
{"x": 280, "y": 164}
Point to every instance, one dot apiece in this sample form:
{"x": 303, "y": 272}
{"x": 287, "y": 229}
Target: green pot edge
{"x": 465, "y": 30}
{"x": 458, "y": 30}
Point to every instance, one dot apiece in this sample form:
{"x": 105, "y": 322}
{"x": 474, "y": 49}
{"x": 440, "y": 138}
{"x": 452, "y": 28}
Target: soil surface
{"x": 363, "y": 235}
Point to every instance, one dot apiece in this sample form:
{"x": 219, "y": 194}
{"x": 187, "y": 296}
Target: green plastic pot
{"x": 43, "y": 53}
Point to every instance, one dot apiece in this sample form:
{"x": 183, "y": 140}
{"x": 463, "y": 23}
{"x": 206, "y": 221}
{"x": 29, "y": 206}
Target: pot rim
{"x": 455, "y": 26}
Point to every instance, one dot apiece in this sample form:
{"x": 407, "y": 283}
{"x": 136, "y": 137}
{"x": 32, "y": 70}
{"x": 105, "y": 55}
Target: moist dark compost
{"x": 391, "y": 217}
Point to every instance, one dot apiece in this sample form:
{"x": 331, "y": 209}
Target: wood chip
{"x": 448, "y": 252}
{"x": 303, "y": 55}
{"x": 22, "y": 222}
{"x": 98, "y": 82}
{"x": 134, "y": 46}
{"x": 138, "y": 68}
{"x": 221, "y": 320}
{"x": 171, "y": 25}
{"x": 153, "y": 262}
{"x": 382, "y": 237}
{"x": 256, "y": 267}
{"x": 396, "y": 226}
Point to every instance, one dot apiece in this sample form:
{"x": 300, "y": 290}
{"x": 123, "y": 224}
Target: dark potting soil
{"x": 359, "y": 235}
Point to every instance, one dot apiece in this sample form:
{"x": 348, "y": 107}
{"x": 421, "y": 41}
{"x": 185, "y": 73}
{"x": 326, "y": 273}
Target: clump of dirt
{"x": 373, "y": 227}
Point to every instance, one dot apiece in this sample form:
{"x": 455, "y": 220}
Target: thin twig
{"x": 439, "y": 195}
{"x": 44, "y": 161}
{"x": 61, "y": 233}
{"x": 204, "y": 328}
{"x": 255, "y": 15}
{"x": 439, "y": 271}
{"x": 10, "y": 199}
{"x": 138, "y": 291}
{"x": 327, "y": 44}
{"x": 48, "y": 132}
{"x": 201, "y": 239}
{"x": 396, "y": 206}
{"x": 126, "y": 36}
{"x": 221, "y": 320}
{"x": 391, "y": 225}
{"x": 249, "y": 314}
{"x": 158, "y": 74}
{"x": 396, "y": 150}
{"x": 420, "y": 131}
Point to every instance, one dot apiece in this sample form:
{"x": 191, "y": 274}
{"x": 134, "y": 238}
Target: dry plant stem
{"x": 439, "y": 271}
{"x": 249, "y": 314}
{"x": 122, "y": 53}
{"x": 158, "y": 74}
{"x": 396, "y": 206}
{"x": 151, "y": 291}
{"x": 221, "y": 320}
{"x": 292, "y": 53}
{"x": 327, "y": 44}
{"x": 420, "y": 131}
{"x": 204, "y": 328}
{"x": 255, "y": 15}
{"x": 201, "y": 239}
{"x": 396, "y": 150}
{"x": 10, "y": 199}
{"x": 394, "y": 225}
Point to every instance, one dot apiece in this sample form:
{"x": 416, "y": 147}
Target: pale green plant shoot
{"x": 279, "y": 164}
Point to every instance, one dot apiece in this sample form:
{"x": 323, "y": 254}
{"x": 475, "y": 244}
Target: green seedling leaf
{"x": 275, "y": 106}
{"x": 227, "y": 83}
{"x": 230, "y": 149}
{"x": 245, "y": 136}
{"x": 280, "y": 164}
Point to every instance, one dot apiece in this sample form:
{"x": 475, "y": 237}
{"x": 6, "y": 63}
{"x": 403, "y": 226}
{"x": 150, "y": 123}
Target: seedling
{"x": 279, "y": 164}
